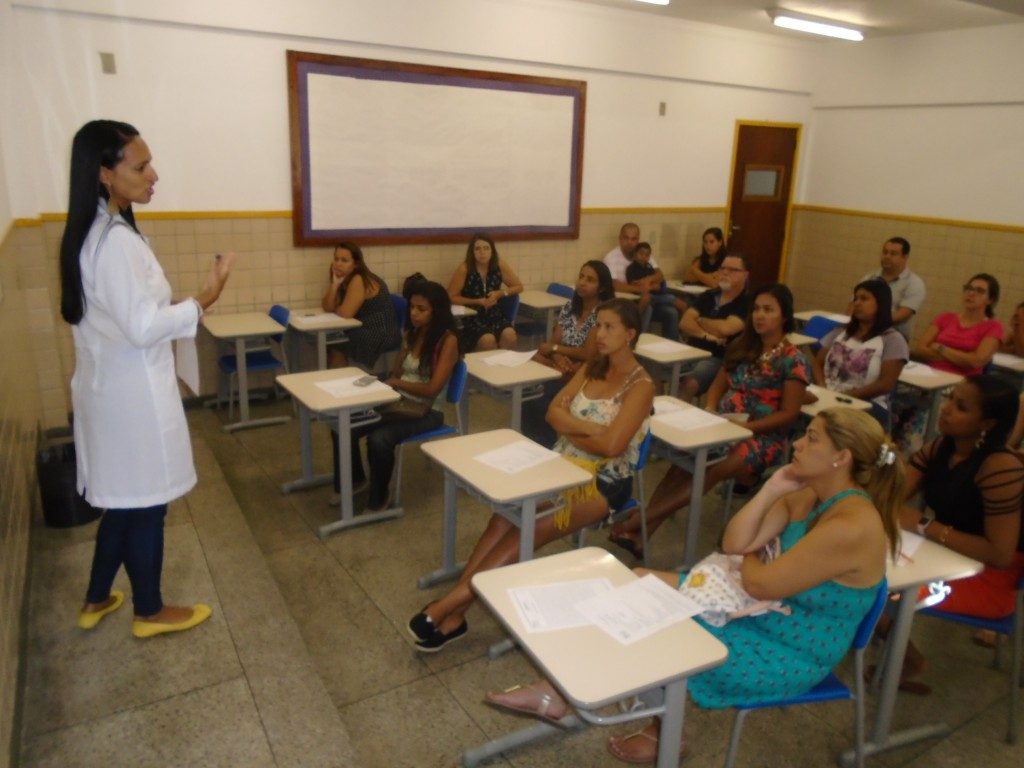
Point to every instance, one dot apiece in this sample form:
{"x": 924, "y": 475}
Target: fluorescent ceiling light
{"x": 817, "y": 26}
{"x": 654, "y": 2}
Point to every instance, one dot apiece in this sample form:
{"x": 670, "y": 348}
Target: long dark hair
{"x": 717, "y": 232}
{"x": 629, "y": 314}
{"x": 471, "y": 258}
{"x": 605, "y": 287}
{"x": 99, "y": 143}
{"x": 993, "y": 291}
{"x": 441, "y": 323}
{"x": 748, "y": 345}
{"x": 883, "y": 313}
{"x": 360, "y": 268}
{"x": 999, "y": 402}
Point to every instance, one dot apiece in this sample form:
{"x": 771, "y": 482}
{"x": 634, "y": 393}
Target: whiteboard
{"x": 385, "y": 152}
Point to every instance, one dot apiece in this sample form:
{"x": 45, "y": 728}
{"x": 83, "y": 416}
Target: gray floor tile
{"x": 216, "y": 725}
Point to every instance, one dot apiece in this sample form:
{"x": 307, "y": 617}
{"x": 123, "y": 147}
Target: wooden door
{"x": 764, "y": 161}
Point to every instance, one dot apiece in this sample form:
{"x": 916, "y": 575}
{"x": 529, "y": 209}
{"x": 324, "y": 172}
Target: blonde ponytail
{"x": 877, "y": 466}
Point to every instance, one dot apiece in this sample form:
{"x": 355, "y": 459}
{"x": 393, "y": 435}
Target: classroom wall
{"x": 19, "y": 412}
{"x": 205, "y": 82}
{"x": 925, "y": 125}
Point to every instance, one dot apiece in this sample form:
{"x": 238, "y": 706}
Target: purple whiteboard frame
{"x": 301, "y": 65}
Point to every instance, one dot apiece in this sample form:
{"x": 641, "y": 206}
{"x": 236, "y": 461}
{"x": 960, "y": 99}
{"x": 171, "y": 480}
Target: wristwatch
{"x": 924, "y": 522}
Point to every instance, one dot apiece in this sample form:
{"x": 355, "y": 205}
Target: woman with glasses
{"x": 964, "y": 342}
{"x": 961, "y": 342}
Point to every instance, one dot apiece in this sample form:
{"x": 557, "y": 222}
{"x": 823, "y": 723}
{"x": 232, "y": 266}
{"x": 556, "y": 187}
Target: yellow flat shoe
{"x": 143, "y": 628}
{"x": 89, "y": 619}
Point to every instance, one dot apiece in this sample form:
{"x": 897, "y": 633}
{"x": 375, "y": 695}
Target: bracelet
{"x": 945, "y": 534}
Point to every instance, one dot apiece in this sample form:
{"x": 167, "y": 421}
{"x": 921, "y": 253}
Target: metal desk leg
{"x": 881, "y": 739}
{"x": 449, "y": 568}
{"x": 671, "y": 735}
{"x": 308, "y": 480}
{"x": 348, "y": 518}
{"x": 700, "y": 462}
{"x": 527, "y": 529}
{"x": 673, "y": 384}
{"x": 321, "y": 350}
{"x": 517, "y": 408}
{"x": 243, "y": 380}
{"x": 549, "y": 322}
{"x": 932, "y": 428}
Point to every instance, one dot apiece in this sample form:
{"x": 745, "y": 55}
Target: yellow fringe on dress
{"x": 579, "y": 494}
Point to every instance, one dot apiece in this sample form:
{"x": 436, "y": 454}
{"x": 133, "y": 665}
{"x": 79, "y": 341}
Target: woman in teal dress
{"x": 833, "y": 510}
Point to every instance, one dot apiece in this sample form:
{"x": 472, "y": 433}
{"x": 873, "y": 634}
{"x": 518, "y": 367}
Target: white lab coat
{"x": 131, "y": 438}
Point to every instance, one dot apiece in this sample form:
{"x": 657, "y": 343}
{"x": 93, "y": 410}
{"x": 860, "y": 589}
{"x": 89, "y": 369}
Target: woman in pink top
{"x": 964, "y": 342}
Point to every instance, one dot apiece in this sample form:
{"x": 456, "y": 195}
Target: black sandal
{"x": 627, "y": 544}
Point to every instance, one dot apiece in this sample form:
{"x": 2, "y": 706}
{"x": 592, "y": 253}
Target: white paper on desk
{"x": 663, "y": 405}
{"x": 347, "y": 387}
{"x": 509, "y": 358}
{"x": 920, "y": 369}
{"x": 665, "y": 346}
{"x": 186, "y": 363}
{"x": 1006, "y": 360}
{"x": 910, "y": 542}
{"x": 517, "y": 456}
{"x": 547, "y": 607}
{"x": 638, "y": 609}
{"x": 320, "y": 318}
{"x": 690, "y": 418}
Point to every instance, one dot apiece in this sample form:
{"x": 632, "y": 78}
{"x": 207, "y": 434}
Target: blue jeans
{"x": 663, "y": 309}
{"x": 381, "y": 441}
{"x": 134, "y": 537}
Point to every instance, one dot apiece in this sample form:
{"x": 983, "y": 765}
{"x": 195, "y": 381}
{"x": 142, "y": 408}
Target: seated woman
{"x": 601, "y": 417}
{"x": 704, "y": 268}
{"x": 959, "y": 342}
{"x": 1013, "y": 344}
{"x": 865, "y": 358}
{"x": 964, "y": 342}
{"x": 834, "y": 510}
{"x": 572, "y": 345}
{"x": 477, "y": 283}
{"x": 763, "y": 377}
{"x": 430, "y": 350}
{"x": 355, "y": 292}
{"x": 972, "y": 486}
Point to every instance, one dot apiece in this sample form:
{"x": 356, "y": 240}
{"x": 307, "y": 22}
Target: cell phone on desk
{"x": 365, "y": 381}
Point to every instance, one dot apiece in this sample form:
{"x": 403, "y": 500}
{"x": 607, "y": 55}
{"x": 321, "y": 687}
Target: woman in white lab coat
{"x": 131, "y": 437}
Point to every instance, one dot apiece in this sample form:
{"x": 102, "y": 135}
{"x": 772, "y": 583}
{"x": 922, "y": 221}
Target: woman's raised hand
{"x": 215, "y": 280}
{"x": 783, "y": 481}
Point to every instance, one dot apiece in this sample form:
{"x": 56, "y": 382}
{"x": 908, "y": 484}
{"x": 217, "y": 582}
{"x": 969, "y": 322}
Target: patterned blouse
{"x": 603, "y": 411}
{"x": 575, "y": 334}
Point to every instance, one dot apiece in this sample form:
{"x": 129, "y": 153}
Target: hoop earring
{"x": 981, "y": 440}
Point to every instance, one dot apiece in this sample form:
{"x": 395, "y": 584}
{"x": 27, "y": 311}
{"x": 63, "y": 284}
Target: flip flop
{"x": 915, "y": 687}
{"x": 627, "y": 544}
{"x": 541, "y": 708}
{"x": 614, "y": 743}
{"x": 987, "y": 638}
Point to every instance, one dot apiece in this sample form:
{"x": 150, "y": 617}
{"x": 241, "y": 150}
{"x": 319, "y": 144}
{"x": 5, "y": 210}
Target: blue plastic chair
{"x": 256, "y": 359}
{"x": 637, "y": 501}
{"x": 401, "y": 308}
{"x": 510, "y": 307}
{"x": 829, "y": 689}
{"x": 818, "y": 327}
{"x": 456, "y": 391}
{"x": 561, "y": 289}
{"x": 1013, "y": 627}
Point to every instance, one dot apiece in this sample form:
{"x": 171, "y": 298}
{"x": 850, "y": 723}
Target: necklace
{"x": 768, "y": 354}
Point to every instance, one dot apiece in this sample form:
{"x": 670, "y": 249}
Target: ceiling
{"x": 876, "y": 17}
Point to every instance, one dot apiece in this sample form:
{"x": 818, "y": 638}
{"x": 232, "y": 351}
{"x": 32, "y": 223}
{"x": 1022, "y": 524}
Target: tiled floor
{"x": 306, "y": 661}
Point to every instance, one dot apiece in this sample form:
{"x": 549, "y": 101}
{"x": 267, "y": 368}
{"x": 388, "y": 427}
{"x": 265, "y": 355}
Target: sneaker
{"x": 439, "y": 640}
{"x": 421, "y": 626}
